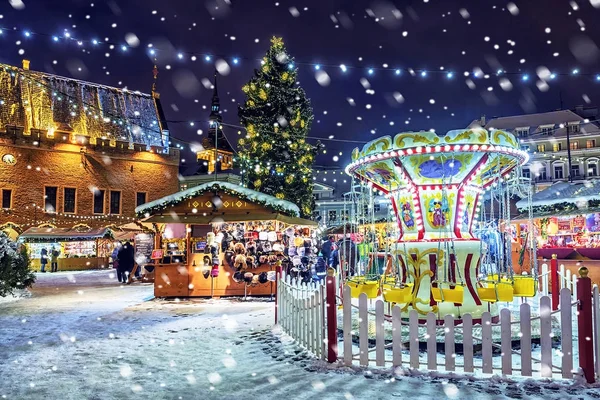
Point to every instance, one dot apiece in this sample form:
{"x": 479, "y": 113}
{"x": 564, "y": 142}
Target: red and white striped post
{"x": 331, "y": 310}
{"x": 555, "y": 282}
{"x": 584, "y": 325}
{"x": 278, "y": 273}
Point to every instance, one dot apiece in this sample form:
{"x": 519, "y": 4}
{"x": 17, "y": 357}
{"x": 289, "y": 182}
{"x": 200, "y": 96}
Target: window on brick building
{"x": 99, "y": 201}
{"x": 69, "y": 200}
{"x": 6, "y": 198}
{"x": 115, "y": 202}
{"x": 140, "y": 198}
{"x": 50, "y": 196}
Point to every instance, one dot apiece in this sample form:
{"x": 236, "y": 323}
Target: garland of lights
{"x": 108, "y": 235}
{"x": 208, "y": 57}
{"x": 563, "y": 206}
{"x": 145, "y": 211}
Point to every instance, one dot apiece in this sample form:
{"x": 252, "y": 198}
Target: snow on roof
{"x": 45, "y": 101}
{"x": 249, "y": 194}
{"x": 62, "y": 234}
{"x": 564, "y": 192}
{"x": 534, "y": 120}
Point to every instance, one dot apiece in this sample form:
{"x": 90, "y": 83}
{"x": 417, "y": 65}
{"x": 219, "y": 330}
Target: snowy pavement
{"x": 83, "y": 336}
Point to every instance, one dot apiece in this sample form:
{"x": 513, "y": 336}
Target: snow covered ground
{"x": 83, "y": 336}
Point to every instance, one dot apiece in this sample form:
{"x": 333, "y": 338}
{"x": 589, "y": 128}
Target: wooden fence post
{"x": 278, "y": 271}
{"x": 331, "y": 310}
{"x": 555, "y": 282}
{"x": 584, "y": 323}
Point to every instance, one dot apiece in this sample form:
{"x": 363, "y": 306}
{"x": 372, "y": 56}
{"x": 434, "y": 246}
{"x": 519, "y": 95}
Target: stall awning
{"x": 216, "y": 218}
{"x": 63, "y": 235}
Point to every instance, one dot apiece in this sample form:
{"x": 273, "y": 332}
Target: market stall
{"x": 79, "y": 249}
{"x": 221, "y": 239}
{"x": 567, "y": 223}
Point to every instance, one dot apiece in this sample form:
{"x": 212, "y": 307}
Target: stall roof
{"x": 273, "y": 203}
{"x": 564, "y": 192}
{"x": 207, "y": 219}
{"x": 63, "y": 234}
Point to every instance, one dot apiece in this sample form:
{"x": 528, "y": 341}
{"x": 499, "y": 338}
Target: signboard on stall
{"x": 157, "y": 254}
{"x": 578, "y": 223}
{"x": 564, "y": 225}
{"x": 144, "y": 244}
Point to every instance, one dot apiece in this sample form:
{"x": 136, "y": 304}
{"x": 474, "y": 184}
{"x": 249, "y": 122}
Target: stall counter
{"x": 74, "y": 264}
{"x": 180, "y": 280}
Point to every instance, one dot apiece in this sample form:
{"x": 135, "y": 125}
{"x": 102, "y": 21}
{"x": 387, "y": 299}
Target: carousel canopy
{"x": 565, "y": 197}
{"x": 63, "y": 234}
{"x": 220, "y": 202}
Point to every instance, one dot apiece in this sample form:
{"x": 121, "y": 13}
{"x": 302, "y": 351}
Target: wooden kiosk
{"x": 187, "y": 219}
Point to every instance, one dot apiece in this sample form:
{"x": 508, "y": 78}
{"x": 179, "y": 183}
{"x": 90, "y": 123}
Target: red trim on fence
{"x": 584, "y": 324}
{"x": 278, "y": 273}
{"x": 555, "y": 282}
{"x": 331, "y": 311}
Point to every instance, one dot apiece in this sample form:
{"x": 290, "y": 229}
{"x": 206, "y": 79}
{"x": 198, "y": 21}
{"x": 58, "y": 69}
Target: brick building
{"x": 74, "y": 152}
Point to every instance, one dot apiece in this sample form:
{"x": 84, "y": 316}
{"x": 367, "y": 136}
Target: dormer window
{"x": 546, "y": 129}
{"x": 522, "y": 132}
{"x": 573, "y": 127}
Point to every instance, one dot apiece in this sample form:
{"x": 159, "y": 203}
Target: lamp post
{"x": 569, "y": 153}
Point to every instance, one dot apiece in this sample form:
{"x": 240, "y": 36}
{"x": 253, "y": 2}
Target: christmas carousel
{"x": 446, "y": 259}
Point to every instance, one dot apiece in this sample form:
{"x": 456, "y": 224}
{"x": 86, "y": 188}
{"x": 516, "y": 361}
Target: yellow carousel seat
{"x": 453, "y": 293}
{"x": 396, "y": 292}
{"x": 363, "y": 284}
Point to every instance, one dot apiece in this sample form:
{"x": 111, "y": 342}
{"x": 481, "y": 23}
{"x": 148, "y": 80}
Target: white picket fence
{"x": 301, "y": 313}
{"x": 530, "y": 340}
{"x": 403, "y": 349}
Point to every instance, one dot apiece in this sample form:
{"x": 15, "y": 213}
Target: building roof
{"x": 534, "y": 122}
{"x": 322, "y": 186}
{"x": 39, "y": 100}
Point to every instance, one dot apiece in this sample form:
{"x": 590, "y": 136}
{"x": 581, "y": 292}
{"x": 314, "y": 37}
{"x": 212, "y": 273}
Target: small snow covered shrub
{"x": 14, "y": 267}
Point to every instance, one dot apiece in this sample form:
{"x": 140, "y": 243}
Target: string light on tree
{"x": 277, "y": 116}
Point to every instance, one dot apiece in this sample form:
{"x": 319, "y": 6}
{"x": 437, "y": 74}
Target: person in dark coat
{"x": 43, "y": 259}
{"x": 327, "y": 250}
{"x": 126, "y": 259}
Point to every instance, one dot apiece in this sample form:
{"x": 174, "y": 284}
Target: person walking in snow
{"x": 126, "y": 260}
{"x": 54, "y": 259}
{"x": 43, "y": 259}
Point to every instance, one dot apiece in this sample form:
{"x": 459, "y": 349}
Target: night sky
{"x": 532, "y": 37}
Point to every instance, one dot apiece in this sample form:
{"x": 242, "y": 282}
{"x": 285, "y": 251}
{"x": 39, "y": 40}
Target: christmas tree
{"x": 274, "y": 156}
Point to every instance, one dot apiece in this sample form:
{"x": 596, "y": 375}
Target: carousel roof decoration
{"x": 41, "y": 235}
{"x": 39, "y": 100}
{"x": 252, "y": 196}
{"x": 473, "y": 156}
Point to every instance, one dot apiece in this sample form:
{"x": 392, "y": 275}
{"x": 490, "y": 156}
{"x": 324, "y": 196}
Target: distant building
{"x": 215, "y": 145}
{"x": 322, "y": 191}
{"x": 333, "y": 211}
{"x": 549, "y": 136}
{"x": 74, "y": 152}
{"x": 204, "y": 170}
